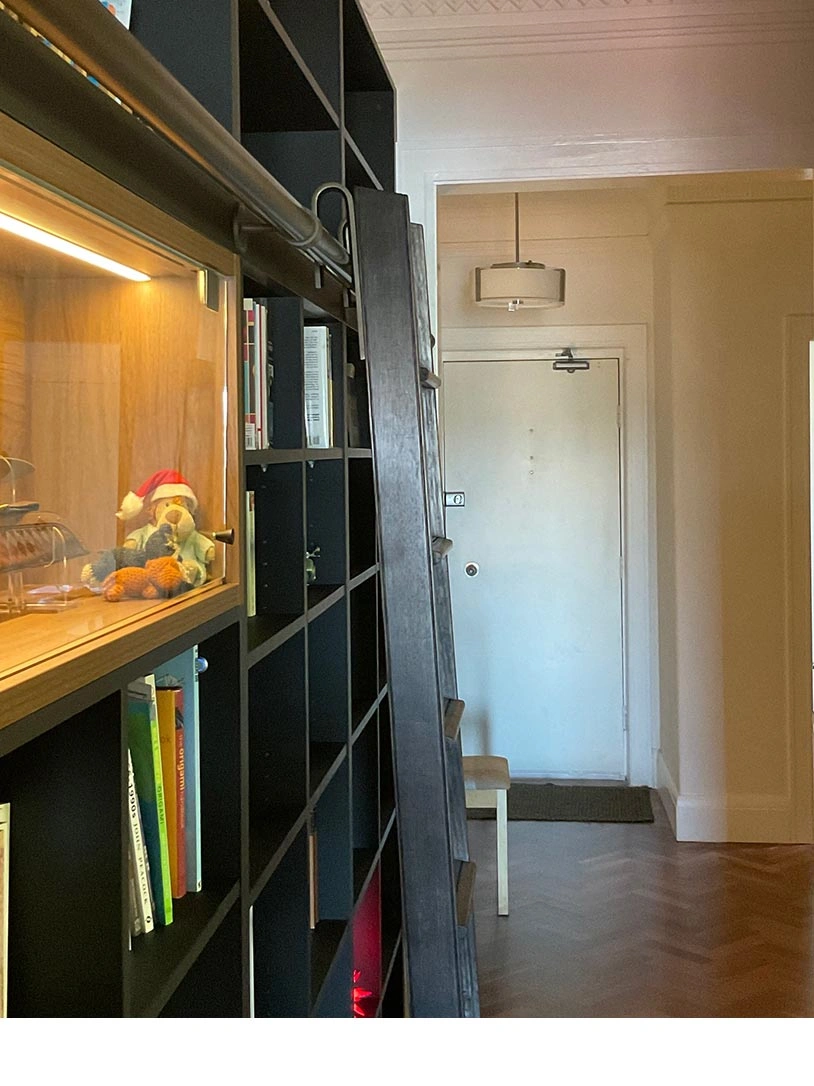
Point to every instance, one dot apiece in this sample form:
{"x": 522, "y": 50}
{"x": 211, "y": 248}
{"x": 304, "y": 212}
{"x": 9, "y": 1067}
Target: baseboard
{"x": 668, "y": 793}
{"x": 757, "y": 819}
{"x": 575, "y": 777}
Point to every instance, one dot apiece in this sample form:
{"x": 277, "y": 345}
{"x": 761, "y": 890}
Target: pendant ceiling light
{"x": 522, "y": 284}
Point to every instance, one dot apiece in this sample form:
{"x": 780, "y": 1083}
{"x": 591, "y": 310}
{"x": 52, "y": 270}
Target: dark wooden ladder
{"x": 437, "y": 874}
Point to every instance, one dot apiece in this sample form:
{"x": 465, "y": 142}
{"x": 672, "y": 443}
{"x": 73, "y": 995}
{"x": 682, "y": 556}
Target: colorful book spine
{"x": 138, "y": 855}
{"x": 250, "y": 404}
{"x": 182, "y": 671}
{"x": 171, "y": 736}
{"x": 145, "y": 748}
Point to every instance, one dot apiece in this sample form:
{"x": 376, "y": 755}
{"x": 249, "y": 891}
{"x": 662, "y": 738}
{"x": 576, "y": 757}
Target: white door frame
{"x": 628, "y": 343}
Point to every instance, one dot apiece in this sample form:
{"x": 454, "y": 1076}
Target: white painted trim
{"x": 746, "y": 818}
{"x": 630, "y": 344}
{"x": 668, "y": 793}
{"x": 464, "y": 43}
{"x": 544, "y": 775}
{"x": 479, "y": 28}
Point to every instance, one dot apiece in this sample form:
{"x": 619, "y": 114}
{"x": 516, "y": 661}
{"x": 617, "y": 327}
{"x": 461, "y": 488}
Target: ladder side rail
{"x": 456, "y": 797}
{"x": 428, "y": 886}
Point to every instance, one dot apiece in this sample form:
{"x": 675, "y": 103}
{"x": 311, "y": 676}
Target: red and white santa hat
{"x": 162, "y": 484}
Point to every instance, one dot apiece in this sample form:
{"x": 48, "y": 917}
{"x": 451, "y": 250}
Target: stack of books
{"x": 163, "y": 791}
{"x": 258, "y": 374}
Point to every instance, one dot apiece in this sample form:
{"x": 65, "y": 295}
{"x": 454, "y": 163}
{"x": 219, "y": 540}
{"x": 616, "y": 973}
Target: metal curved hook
{"x": 348, "y": 229}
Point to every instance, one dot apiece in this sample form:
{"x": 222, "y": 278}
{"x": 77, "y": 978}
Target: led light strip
{"x": 68, "y": 248}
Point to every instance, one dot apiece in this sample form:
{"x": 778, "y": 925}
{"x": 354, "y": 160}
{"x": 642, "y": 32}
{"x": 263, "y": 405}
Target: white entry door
{"x": 538, "y": 627}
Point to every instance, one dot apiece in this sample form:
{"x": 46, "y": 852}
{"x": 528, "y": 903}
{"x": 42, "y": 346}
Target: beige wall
{"x": 715, "y": 268}
{"x": 727, "y": 382}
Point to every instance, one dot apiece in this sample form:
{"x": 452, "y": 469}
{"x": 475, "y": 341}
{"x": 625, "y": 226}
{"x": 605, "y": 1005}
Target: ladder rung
{"x": 441, "y": 546}
{"x": 452, "y": 717}
{"x": 428, "y": 378}
{"x": 465, "y": 892}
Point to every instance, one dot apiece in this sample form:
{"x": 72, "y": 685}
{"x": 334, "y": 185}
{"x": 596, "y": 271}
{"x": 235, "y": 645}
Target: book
{"x": 313, "y": 878}
{"x": 318, "y": 386}
{"x": 143, "y": 898}
{"x": 251, "y": 573}
{"x": 122, "y": 9}
{"x": 171, "y": 737}
{"x": 136, "y": 927}
{"x": 145, "y": 749}
{"x": 261, "y": 363}
{"x": 249, "y": 395}
{"x": 182, "y": 671}
{"x": 5, "y": 838}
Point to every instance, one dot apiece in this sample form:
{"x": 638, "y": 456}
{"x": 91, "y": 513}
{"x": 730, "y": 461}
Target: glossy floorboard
{"x": 623, "y": 921}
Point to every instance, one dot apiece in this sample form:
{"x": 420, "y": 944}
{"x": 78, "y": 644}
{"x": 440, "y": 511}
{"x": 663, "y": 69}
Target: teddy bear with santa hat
{"x": 172, "y": 504}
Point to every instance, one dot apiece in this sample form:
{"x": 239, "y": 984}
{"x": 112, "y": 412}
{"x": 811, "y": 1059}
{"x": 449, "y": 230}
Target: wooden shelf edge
{"x": 327, "y": 776}
{"x": 268, "y": 869}
{"x": 363, "y": 162}
{"x": 253, "y": 458}
{"x": 365, "y": 575}
{"x": 44, "y": 683}
{"x": 325, "y": 604}
{"x": 388, "y": 971}
{"x": 296, "y": 56}
{"x": 359, "y": 727}
{"x": 334, "y": 453}
{"x": 278, "y": 638}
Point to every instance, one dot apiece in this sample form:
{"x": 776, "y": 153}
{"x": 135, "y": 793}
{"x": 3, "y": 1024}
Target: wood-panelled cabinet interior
{"x": 219, "y": 371}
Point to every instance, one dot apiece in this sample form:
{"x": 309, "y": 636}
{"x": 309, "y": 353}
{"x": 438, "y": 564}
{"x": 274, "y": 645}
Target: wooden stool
{"x": 486, "y": 778}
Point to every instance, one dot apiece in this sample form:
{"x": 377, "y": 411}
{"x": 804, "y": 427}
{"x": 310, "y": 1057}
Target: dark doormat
{"x": 530, "y": 802}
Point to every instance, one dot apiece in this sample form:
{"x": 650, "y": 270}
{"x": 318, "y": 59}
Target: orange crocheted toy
{"x": 159, "y": 578}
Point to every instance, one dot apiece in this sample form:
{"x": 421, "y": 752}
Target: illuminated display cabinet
{"x": 116, "y": 371}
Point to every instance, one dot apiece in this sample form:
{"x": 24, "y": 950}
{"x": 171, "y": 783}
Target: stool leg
{"x": 502, "y": 854}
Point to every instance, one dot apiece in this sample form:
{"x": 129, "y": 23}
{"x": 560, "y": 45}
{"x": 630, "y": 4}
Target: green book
{"x": 145, "y": 751}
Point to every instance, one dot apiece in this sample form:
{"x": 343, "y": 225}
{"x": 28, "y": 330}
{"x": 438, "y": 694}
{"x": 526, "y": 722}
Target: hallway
{"x": 623, "y": 921}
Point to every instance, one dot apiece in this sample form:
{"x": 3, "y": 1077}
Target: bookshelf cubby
{"x": 299, "y": 838}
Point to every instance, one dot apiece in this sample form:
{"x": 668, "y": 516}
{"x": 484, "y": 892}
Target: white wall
{"x": 610, "y": 112}
{"x": 716, "y": 278}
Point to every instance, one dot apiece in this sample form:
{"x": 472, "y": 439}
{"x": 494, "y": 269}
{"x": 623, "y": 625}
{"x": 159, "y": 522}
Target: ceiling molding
{"x": 436, "y": 29}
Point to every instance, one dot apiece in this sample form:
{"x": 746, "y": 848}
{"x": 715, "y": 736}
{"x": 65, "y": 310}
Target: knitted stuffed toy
{"x": 95, "y": 572}
{"x": 159, "y": 578}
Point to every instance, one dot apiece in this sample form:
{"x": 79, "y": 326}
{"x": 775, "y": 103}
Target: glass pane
{"x": 112, "y": 423}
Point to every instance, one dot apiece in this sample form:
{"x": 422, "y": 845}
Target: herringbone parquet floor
{"x": 623, "y": 921}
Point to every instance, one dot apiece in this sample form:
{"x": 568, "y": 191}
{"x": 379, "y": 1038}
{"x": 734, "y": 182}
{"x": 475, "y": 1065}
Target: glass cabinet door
{"x": 114, "y": 368}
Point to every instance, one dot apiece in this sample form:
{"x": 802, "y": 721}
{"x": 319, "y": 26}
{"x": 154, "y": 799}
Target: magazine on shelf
{"x": 318, "y": 387}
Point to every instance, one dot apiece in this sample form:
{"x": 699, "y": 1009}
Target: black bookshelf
{"x": 295, "y": 728}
